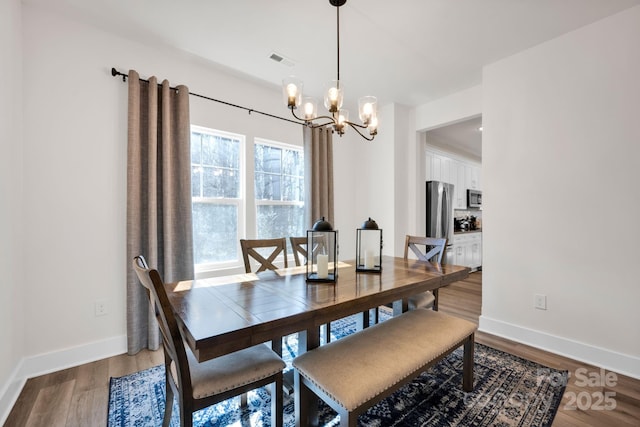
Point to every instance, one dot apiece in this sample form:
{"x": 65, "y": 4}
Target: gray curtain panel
{"x": 318, "y": 156}
{"x": 159, "y": 224}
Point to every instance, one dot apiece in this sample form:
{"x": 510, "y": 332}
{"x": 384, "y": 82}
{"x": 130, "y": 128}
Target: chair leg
{"x": 244, "y": 401}
{"x": 328, "y": 332}
{"x": 168, "y": 404}
{"x": 277, "y": 402}
{"x": 467, "y": 364}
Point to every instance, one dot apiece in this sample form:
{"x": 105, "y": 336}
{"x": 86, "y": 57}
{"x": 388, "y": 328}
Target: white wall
{"x": 451, "y": 109}
{"x": 11, "y": 224}
{"x": 75, "y": 175}
{"x": 561, "y": 167}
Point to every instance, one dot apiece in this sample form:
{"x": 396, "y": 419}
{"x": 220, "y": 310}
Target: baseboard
{"x": 10, "y": 393}
{"x": 33, "y": 366}
{"x": 620, "y": 363}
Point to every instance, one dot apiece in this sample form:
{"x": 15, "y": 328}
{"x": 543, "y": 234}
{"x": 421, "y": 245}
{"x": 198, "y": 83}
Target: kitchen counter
{"x": 477, "y": 230}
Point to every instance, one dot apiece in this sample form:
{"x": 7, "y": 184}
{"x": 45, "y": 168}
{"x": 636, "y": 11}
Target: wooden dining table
{"x": 222, "y": 315}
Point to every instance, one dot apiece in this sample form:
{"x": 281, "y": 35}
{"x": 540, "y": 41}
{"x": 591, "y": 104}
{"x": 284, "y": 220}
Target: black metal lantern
{"x": 322, "y": 252}
{"x": 369, "y": 247}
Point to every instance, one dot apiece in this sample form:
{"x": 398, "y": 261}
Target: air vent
{"x": 281, "y": 59}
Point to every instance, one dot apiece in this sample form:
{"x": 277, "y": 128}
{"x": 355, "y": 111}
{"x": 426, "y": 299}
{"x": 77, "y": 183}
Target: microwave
{"x": 474, "y": 198}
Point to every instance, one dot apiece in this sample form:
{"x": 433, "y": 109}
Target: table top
{"x": 226, "y": 314}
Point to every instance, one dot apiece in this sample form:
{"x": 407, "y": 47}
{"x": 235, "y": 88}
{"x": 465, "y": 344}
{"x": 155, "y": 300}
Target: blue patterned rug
{"x": 508, "y": 391}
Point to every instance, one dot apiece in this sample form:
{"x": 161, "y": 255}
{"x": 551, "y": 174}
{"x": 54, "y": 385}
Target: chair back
{"x": 172, "y": 341}
{"x": 434, "y": 248}
{"x": 299, "y": 248}
{"x": 276, "y": 246}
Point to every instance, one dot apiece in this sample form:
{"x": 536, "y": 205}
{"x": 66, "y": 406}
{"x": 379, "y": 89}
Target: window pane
{"x": 293, "y": 190}
{"x": 220, "y": 183}
{"x": 292, "y": 163}
{"x": 196, "y": 181}
{"x": 215, "y": 232}
{"x": 196, "y": 147}
{"x": 280, "y": 221}
{"x": 268, "y": 159}
{"x": 267, "y": 187}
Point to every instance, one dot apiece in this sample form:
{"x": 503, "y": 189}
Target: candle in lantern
{"x": 369, "y": 260}
{"x": 323, "y": 266}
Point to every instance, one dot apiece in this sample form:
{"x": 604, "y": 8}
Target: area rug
{"x": 508, "y": 391}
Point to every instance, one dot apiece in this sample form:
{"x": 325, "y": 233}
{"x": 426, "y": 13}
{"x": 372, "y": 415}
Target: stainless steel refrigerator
{"x": 440, "y": 215}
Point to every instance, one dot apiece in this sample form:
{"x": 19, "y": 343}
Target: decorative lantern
{"x": 369, "y": 247}
{"x": 322, "y": 252}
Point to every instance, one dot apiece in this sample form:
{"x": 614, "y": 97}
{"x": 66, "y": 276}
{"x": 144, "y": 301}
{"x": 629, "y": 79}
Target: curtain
{"x": 318, "y": 157}
{"x": 159, "y": 224}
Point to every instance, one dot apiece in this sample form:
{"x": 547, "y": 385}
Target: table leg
{"x": 306, "y": 407}
{"x": 400, "y": 307}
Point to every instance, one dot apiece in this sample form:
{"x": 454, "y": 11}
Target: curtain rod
{"x": 116, "y": 73}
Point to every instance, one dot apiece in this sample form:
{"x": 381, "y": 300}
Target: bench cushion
{"x": 359, "y": 367}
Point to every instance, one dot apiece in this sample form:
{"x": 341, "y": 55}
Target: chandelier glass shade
{"x": 307, "y": 107}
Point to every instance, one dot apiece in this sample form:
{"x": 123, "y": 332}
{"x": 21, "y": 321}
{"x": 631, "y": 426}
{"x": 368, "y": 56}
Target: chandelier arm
{"x": 310, "y": 122}
{"x": 356, "y": 124}
{"x": 319, "y": 125}
{"x": 355, "y": 127}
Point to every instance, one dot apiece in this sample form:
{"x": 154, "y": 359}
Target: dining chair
{"x": 300, "y": 250}
{"x": 433, "y": 251}
{"x": 201, "y": 384}
{"x": 254, "y": 250}
{"x": 300, "y": 256}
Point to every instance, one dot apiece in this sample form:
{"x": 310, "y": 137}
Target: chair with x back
{"x": 433, "y": 251}
{"x": 202, "y": 384}
{"x": 300, "y": 256}
{"x": 299, "y": 248}
{"x": 251, "y": 251}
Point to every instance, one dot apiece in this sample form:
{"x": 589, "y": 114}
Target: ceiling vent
{"x": 281, "y": 59}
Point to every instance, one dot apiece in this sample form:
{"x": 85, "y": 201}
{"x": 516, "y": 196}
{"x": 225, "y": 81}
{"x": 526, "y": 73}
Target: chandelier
{"x": 333, "y": 97}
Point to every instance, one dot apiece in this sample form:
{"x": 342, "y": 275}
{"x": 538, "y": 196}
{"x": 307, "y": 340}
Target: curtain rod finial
{"x": 115, "y": 72}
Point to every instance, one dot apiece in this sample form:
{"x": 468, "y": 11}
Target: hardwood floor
{"x": 78, "y": 396}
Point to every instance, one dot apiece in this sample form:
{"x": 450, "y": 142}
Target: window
{"x": 279, "y": 190}
{"x": 220, "y": 180}
{"x": 217, "y": 195}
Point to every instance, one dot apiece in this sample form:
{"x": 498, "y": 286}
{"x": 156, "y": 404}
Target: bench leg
{"x": 467, "y": 364}
{"x": 347, "y": 419}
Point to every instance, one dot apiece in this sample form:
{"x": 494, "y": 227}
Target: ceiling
{"x": 408, "y": 52}
{"x": 464, "y": 138}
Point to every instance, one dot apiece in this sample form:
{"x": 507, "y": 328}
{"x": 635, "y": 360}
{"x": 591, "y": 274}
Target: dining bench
{"x": 355, "y": 372}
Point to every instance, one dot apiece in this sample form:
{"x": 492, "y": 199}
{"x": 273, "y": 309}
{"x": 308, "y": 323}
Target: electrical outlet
{"x": 540, "y": 302}
{"x": 100, "y": 308}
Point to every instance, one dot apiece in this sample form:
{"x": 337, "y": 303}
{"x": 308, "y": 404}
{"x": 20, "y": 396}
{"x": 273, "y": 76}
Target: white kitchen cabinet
{"x": 472, "y": 177}
{"x": 446, "y": 168}
{"x": 467, "y": 249}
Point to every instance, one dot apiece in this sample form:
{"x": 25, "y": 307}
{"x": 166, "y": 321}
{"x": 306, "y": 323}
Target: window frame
{"x": 264, "y": 202}
{"x": 206, "y": 269}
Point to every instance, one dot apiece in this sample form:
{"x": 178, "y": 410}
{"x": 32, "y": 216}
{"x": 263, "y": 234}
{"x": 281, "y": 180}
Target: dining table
{"x": 221, "y": 315}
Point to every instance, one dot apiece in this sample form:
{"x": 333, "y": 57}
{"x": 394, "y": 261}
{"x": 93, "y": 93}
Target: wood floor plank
{"x": 52, "y": 405}
{"x": 79, "y": 396}
{"x": 89, "y": 408}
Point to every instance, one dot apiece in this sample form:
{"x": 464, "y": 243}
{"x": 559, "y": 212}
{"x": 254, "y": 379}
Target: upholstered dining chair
{"x": 433, "y": 251}
{"x": 202, "y": 384}
{"x": 251, "y": 251}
